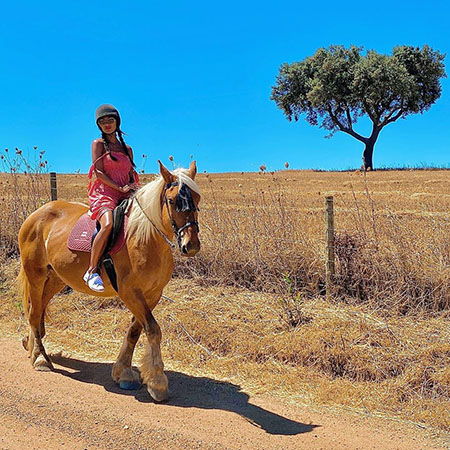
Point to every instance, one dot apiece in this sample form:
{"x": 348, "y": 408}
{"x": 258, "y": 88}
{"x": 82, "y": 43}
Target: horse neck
{"x": 147, "y": 221}
{"x": 148, "y": 249}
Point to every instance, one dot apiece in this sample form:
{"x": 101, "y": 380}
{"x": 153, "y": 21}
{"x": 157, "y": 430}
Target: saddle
{"x": 85, "y": 229}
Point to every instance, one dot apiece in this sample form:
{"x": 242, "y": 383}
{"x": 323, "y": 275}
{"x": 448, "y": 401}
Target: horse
{"x": 163, "y": 209}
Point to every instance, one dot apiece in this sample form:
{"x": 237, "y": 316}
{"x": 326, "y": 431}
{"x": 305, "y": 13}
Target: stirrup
{"x": 94, "y": 281}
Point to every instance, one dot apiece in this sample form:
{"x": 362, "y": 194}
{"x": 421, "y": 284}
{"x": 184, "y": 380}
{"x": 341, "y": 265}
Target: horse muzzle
{"x": 189, "y": 242}
{"x": 190, "y": 248}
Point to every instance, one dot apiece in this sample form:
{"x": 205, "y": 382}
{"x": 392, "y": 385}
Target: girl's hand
{"x": 125, "y": 189}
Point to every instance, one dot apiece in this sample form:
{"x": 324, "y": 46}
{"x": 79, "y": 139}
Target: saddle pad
{"x": 80, "y": 238}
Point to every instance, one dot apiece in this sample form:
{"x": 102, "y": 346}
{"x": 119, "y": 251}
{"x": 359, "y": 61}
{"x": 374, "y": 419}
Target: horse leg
{"x": 122, "y": 372}
{"x": 39, "y": 299}
{"x": 152, "y": 367}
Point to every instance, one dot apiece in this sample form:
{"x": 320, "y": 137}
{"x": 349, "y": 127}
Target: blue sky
{"x": 194, "y": 78}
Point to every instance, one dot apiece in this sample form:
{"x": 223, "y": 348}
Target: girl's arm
{"x": 98, "y": 149}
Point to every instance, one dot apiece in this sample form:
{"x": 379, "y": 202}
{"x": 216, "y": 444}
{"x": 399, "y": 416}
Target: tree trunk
{"x": 370, "y": 144}
{"x": 367, "y": 155}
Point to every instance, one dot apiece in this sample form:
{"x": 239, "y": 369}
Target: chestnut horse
{"x": 144, "y": 266}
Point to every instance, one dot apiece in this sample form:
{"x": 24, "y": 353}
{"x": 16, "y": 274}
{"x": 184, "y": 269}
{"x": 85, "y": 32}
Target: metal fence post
{"x": 329, "y": 236}
{"x": 53, "y": 188}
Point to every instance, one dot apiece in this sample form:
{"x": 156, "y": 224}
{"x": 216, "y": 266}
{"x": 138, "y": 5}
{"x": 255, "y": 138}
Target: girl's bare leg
{"x": 100, "y": 241}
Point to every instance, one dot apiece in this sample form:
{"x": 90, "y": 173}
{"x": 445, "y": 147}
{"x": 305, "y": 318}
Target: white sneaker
{"x": 94, "y": 281}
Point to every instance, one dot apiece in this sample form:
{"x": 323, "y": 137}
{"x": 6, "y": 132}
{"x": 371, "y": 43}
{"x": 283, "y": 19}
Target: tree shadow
{"x": 188, "y": 391}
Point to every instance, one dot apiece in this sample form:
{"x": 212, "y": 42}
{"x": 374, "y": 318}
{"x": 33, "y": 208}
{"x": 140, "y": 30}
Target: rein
{"x": 171, "y": 244}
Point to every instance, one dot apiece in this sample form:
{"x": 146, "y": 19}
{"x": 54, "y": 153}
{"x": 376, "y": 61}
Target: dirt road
{"x": 78, "y": 406}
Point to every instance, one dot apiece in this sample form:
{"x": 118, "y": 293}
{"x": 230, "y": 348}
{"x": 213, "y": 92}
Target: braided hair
{"x": 124, "y": 146}
{"x": 105, "y": 143}
{"x": 122, "y": 142}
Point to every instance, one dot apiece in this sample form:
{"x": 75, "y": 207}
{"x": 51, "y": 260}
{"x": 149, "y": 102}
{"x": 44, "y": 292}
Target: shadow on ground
{"x": 187, "y": 392}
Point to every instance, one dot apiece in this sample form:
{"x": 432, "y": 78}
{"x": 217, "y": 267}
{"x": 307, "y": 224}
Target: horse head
{"x": 180, "y": 200}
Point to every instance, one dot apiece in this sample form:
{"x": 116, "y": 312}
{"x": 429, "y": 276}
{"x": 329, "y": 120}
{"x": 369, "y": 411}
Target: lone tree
{"x": 337, "y": 85}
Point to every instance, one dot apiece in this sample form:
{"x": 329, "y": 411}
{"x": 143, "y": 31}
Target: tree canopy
{"x": 337, "y": 85}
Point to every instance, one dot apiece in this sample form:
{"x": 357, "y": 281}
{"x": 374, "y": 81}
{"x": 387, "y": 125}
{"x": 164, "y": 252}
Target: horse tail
{"x": 24, "y": 290}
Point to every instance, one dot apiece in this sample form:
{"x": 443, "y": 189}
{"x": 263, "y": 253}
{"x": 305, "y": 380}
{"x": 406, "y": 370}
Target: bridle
{"x": 177, "y": 230}
{"x": 187, "y": 206}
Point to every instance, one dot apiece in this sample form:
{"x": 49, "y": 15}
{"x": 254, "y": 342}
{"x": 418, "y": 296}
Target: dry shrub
{"x": 253, "y": 242}
{"x": 403, "y": 265}
{"x": 23, "y": 188}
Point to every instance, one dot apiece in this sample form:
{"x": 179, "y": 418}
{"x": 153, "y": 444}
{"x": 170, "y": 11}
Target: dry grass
{"x": 250, "y": 308}
{"x": 266, "y": 232}
{"x": 342, "y": 355}
{"x": 23, "y": 188}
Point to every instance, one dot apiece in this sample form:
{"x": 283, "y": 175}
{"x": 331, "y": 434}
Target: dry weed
{"x": 23, "y": 188}
{"x": 266, "y": 233}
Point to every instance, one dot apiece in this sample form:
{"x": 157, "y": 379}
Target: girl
{"x": 116, "y": 179}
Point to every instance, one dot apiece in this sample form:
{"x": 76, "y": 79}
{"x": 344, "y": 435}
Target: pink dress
{"x": 102, "y": 197}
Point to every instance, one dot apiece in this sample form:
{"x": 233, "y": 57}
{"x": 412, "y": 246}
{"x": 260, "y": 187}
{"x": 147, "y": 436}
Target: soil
{"x": 78, "y": 406}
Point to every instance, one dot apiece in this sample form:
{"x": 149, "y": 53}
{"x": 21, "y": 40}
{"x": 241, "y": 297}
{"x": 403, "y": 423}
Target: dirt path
{"x": 78, "y": 406}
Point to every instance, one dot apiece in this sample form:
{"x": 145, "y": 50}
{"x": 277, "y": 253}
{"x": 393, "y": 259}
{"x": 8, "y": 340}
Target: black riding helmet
{"x": 107, "y": 110}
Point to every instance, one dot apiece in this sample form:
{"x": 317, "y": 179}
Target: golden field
{"x": 250, "y": 308}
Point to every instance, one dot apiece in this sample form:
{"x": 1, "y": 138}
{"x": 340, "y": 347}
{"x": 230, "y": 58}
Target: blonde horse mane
{"x": 149, "y": 197}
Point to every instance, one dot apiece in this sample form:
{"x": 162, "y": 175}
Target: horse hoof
{"x": 158, "y": 396}
{"x": 42, "y": 365}
{"x": 158, "y": 387}
{"x": 129, "y": 385}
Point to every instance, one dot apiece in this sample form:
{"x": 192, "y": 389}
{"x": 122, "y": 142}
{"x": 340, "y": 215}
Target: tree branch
{"x": 391, "y": 118}
{"x": 349, "y": 118}
{"x": 395, "y": 110}
{"x": 345, "y": 129}
{"x": 369, "y": 113}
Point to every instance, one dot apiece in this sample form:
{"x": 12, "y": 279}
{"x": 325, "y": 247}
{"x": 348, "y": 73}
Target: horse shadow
{"x": 188, "y": 391}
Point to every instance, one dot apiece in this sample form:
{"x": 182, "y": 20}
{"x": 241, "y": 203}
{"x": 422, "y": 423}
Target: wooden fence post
{"x": 53, "y": 188}
{"x": 329, "y": 236}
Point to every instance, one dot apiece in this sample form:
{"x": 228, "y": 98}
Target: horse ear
{"x": 168, "y": 177}
{"x": 193, "y": 169}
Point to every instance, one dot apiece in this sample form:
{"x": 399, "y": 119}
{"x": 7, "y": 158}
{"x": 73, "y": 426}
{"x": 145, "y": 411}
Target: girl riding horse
{"x": 161, "y": 210}
{"x": 112, "y": 163}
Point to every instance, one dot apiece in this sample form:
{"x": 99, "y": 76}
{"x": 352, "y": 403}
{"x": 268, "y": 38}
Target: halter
{"x": 183, "y": 203}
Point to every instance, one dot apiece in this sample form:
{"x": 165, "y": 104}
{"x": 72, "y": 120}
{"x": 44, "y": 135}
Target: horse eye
{"x": 170, "y": 201}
